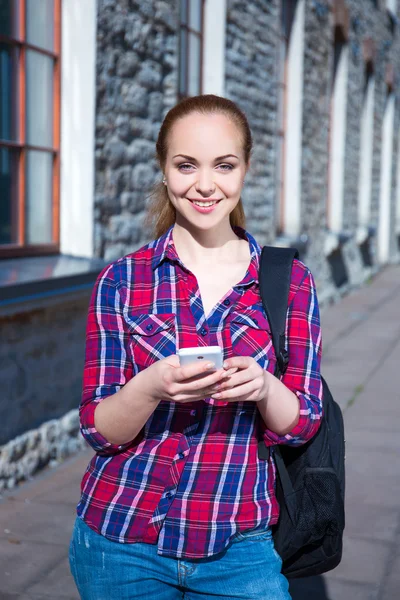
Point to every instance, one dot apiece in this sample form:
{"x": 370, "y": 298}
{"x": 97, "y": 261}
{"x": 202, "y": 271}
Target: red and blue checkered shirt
{"x": 192, "y": 478}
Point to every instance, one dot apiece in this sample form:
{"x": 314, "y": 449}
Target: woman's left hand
{"x": 249, "y": 383}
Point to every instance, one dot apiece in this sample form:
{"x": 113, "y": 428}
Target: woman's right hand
{"x": 167, "y": 380}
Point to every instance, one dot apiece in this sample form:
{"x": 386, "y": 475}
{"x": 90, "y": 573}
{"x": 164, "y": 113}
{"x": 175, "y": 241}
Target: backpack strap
{"x": 274, "y": 277}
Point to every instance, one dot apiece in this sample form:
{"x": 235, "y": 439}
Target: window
{"x": 29, "y": 126}
{"x": 288, "y": 9}
{"x": 391, "y": 6}
{"x": 366, "y": 149}
{"x": 191, "y": 47}
{"x": 337, "y": 133}
{"x": 397, "y": 225}
{"x": 386, "y": 178}
{"x": 290, "y": 118}
{"x": 214, "y": 47}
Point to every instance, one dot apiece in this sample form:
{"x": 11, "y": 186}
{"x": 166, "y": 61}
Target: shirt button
{"x": 192, "y": 413}
{"x": 227, "y": 302}
{"x": 170, "y": 494}
{"x": 149, "y": 327}
{"x": 204, "y": 332}
{"x": 181, "y": 455}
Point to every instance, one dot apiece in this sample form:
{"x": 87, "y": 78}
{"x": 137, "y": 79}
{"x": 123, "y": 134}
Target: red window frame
{"x": 20, "y": 146}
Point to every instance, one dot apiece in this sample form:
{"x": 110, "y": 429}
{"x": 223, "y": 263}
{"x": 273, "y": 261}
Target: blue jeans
{"x": 103, "y": 570}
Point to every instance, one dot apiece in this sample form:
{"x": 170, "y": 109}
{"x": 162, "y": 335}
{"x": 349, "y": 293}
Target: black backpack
{"x": 310, "y": 478}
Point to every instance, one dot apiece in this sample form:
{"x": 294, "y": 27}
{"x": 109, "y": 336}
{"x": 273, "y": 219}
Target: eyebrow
{"x": 216, "y": 159}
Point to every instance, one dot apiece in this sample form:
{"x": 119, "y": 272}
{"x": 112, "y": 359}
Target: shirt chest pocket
{"x": 152, "y": 337}
{"x": 251, "y": 336}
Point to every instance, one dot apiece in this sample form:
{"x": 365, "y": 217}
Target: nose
{"x": 205, "y": 184}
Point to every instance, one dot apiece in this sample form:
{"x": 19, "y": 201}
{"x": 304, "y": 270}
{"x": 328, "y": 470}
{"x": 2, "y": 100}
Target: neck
{"x": 196, "y": 247}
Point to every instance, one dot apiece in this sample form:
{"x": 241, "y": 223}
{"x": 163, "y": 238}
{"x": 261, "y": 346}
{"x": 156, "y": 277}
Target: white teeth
{"x": 205, "y": 204}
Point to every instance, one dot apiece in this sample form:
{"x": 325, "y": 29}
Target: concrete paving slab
{"x": 380, "y": 492}
{"x": 364, "y": 419}
{"x": 363, "y": 561}
{"x": 25, "y": 564}
{"x": 344, "y": 590}
{"x": 58, "y": 582}
{"x": 365, "y": 521}
{"x": 391, "y": 587}
{"x": 37, "y": 522}
{"x": 370, "y": 439}
{"x": 370, "y": 464}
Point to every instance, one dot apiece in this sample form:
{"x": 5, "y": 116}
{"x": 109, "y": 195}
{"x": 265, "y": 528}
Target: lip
{"x": 204, "y": 199}
{"x": 205, "y": 209}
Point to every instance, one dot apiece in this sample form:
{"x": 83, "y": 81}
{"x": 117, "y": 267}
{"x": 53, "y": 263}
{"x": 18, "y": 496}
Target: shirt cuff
{"x": 95, "y": 439}
{"x": 305, "y": 429}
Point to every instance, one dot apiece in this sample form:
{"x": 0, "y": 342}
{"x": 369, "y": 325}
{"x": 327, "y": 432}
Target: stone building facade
{"x": 319, "y": 82}
{"x": 137, "y": 73}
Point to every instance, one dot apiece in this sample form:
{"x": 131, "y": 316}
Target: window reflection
{"x": 8, "y": 62}
{"x": 8, "y": 195}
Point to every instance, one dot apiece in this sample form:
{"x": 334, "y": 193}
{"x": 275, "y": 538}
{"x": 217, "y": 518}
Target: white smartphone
{"x": 188, "y": 356}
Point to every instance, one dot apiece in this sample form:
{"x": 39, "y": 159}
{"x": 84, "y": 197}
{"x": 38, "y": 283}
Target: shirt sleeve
{"x": 303, "y": 377}
{"x": 108, "y": 363}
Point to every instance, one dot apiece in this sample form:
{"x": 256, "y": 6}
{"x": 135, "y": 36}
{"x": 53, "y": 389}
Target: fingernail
{"x": 225, "y": 365}
{"x": 209, "y": 366}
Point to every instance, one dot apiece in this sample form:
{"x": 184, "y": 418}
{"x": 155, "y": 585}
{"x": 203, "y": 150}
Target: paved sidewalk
{"x": 361, "y": 339}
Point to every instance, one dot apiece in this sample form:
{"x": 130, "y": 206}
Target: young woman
{"x": 175, "y": 503}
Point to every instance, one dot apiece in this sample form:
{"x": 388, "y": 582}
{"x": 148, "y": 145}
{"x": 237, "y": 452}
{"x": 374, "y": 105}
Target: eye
{"x": 225, "y": 167}
{"x": 185, "y": 167}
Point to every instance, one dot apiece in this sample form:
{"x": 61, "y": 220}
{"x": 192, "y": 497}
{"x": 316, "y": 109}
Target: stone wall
{"x": 251, "y": 69}
{"x": 137, "y": 62}
{"x": 41, "y": 367}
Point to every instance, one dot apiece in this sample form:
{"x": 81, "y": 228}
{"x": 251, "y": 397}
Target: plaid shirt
{"x": 192, "y": 478}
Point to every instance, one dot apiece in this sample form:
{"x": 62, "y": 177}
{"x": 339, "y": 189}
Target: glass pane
{"x": 194, "y": 65}
{"x": 183, "y": 62}
{"x": 9, "y": 18}
{"x": 184, "y": 15}
{"x": 195, "y": 15}
{"x": 8, "y": 92}
{"x": 39, "y": 205}
{"x": 40, "y": 23}
{"x": 8, "y": 195}
{"x": 5, "y": 17}
{"x": 39, "y": 99}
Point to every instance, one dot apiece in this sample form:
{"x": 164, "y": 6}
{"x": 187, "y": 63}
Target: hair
{"x": 161, "y": 213}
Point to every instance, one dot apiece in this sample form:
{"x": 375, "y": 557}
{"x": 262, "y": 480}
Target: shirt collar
{"x": 164, "y": 248}
{"x": 255, "y": 252}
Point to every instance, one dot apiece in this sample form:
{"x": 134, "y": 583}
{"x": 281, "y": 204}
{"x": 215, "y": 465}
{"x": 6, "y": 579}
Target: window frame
{"x": 286, "y": 20}
{"x": 18, "y": 204}
{"x": 340, "y": 37}
{"x": 184, "y": 28}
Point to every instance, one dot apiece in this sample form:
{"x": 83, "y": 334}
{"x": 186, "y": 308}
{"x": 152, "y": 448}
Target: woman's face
{"x": 204, "y": 169}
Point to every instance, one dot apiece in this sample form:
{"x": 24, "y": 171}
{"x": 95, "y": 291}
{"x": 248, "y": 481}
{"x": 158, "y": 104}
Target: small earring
{"x": 164, "y": 181}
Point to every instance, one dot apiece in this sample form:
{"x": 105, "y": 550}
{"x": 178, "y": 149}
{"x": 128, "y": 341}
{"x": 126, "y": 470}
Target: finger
{"x": 239, "y": 378}
{"x": 193, "y": 370}
{"x": 231, "y": 371}
{"x": 204, "y": 382}
{"x": 238, "y": 362}
{"x": 236, "y": 392}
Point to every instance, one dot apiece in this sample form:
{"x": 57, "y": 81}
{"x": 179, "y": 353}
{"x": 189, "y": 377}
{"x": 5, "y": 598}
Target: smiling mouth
{"x": 205, "y": 203}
